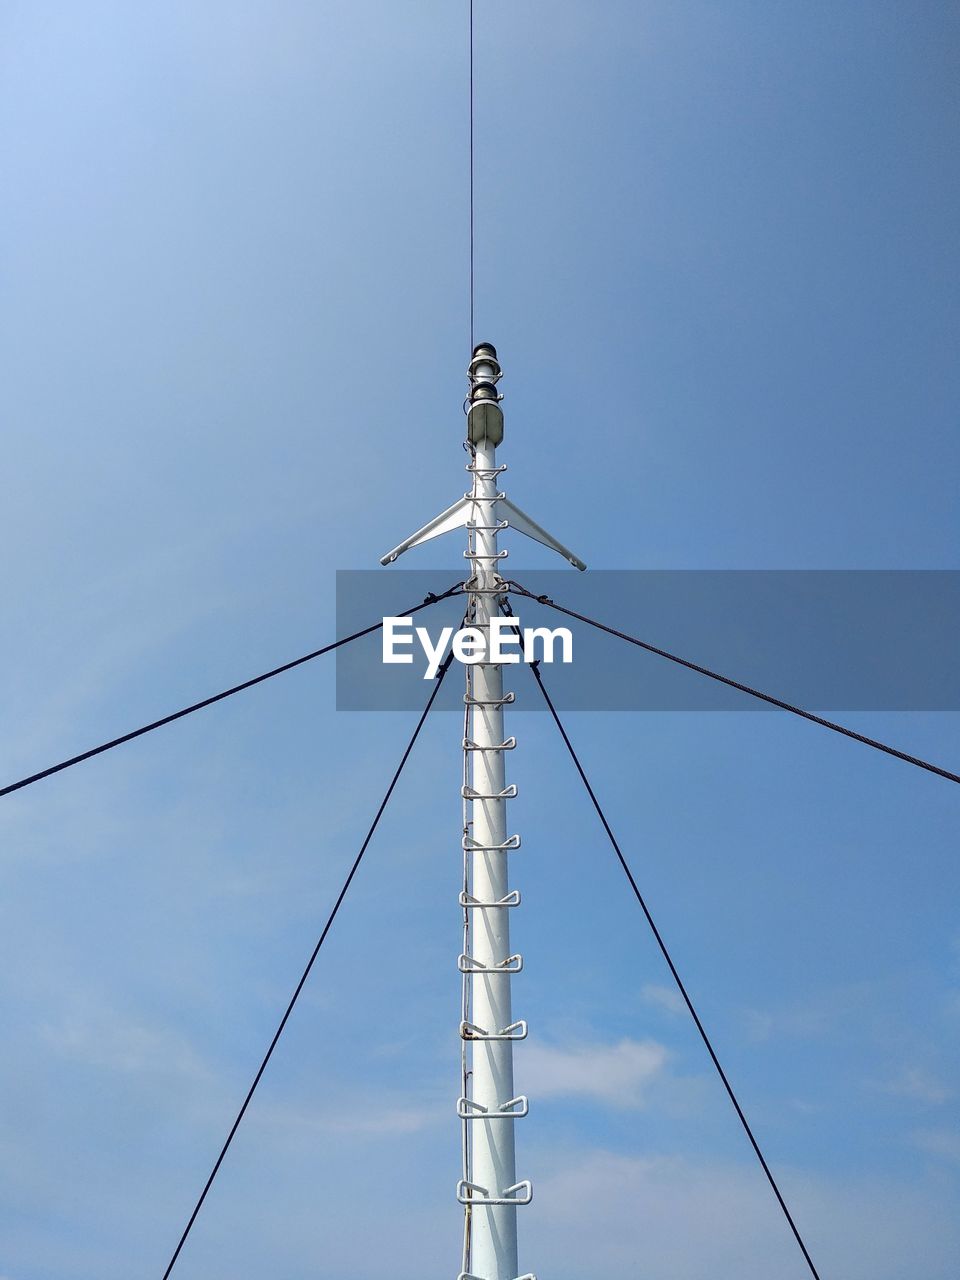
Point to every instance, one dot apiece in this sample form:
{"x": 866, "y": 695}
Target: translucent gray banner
{"x": 826, "y": 640}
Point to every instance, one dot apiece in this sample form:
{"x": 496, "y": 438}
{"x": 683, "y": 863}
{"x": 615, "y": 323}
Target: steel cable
{"x": 218, "y": 697}
{"x": 736, "y": 684}
{"x": 535, "y": 667}
{"x": 306, "y": 973}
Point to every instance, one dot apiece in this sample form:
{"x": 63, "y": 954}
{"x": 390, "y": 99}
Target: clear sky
{"x": 717, "y": 250}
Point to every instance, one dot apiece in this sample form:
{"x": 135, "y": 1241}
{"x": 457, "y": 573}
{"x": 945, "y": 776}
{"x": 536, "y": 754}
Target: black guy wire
{"x": 535, "y": 668}
{"x": 744, "y": 688}
{"x": 217, "y": 697}
{"x": 306, "y": 973}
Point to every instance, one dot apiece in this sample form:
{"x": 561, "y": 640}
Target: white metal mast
{"x": 488, "y": 1107}
{"x": 489, "y": 1189}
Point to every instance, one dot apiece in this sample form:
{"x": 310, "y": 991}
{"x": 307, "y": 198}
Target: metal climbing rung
{"x": 519, "y": 1193}
{"x": 470, "y": 903}
{"x": 489, "y": 702}
{"x": 493, "y": 497}
{"x": 487, "y": 528}
{"x": 478, "y": 555}
{"x": 485, "y": 473}
{"x": 508, "y": 745}
{"x": 469, "y": 845}
{"x": 515, "y": 1031}
{"x": 468, "y": 1275}
{"x": 515, "y": 1109}
{"x": 508, "y": 793}
{"x": 470, "y": 964}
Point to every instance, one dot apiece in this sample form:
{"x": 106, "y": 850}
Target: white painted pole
{"x": 489, "y": 1107}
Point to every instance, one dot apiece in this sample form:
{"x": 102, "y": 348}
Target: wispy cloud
{"x": 914, "y": 1082}
{"x": 608, "y": 1214}
{"x": 101, "y": 1037}
{"x": 803, "y": 1107}
{"x": 618, "y": 1074}
{"x": 666, "y": 997}
{"x": 763, "y": 1025}
{"x": 813, "y": 1018}
{"x": 938, "y": 1142}
{"x": 351, "y": 1114}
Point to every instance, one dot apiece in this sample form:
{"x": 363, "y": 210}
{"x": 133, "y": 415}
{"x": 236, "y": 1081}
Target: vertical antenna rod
{"x": 488, "y": 1107}
{"x": 471, "y": 180}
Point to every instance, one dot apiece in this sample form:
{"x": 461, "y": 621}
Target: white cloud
{"x": 618, "y": 1074}
{"x": 799, "y": 1023}
{"x": 609, "y": 1214}
{"x": 103, "y": 1038}
{"x": 938, "y": 1142}
{"x": 374, "y": 1117}
{"x": 668, "y": 998}
{"x": 916, "y": 1083}
{"x": 804, "y": 1107}
{"x": 812, "y": 1019}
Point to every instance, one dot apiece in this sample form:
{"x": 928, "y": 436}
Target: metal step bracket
{"x": 515, "y": 1109}
{"x": 508, "y": 793}
{"x": 470, "y": 964}
{"x": 519, "y": 1193}
{"x": 473, "y": 527}
{"x": 465, "y": 1275}
{"x": 485, "y": 473}
{"x": 470, "y": 845}
{"x": 515, "y": 1031}
{"x": 507, "y": 745}
{"x": 472, "y": 497}
{"x": 489, "y": 702}
{"x": 470, "y": 903}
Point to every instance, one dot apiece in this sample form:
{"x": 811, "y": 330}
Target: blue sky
{"x": 717, "y": 252}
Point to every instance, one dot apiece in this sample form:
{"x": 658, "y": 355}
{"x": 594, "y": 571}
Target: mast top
{"x": 484, "y": 415}
{"x": 484, "y": 350}
{"x": 484, "y": 433}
